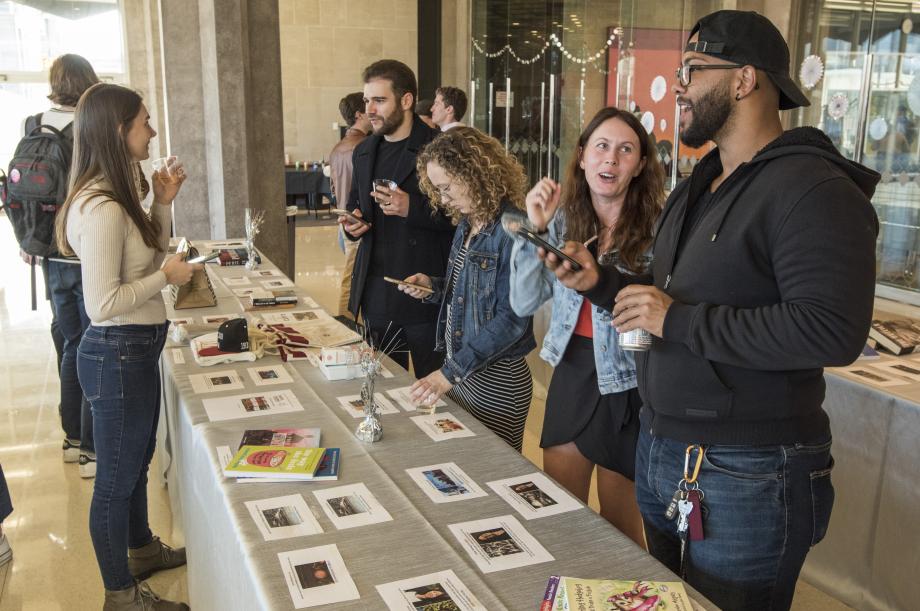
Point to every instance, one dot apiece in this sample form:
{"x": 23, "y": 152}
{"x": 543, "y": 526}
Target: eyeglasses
{"x": 685, "y": 72}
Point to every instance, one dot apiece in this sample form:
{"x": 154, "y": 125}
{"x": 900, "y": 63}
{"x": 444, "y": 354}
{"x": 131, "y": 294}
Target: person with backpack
{"x": 123, "y": 248}
{"x": 37, "y": 184}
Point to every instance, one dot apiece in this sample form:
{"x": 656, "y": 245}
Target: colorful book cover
{"x": 275, "y": 462}
{"x": 288, "y": 438}
{"x": 328, "y": 469}
{"x": 606, "y": 594}
{"x": 550, "y": 595}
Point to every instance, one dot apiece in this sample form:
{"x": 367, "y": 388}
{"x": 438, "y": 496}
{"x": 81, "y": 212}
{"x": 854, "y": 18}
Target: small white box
{"x": 340, "y": 372}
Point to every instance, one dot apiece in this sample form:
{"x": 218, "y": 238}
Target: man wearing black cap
{"x": 763, "y": 275}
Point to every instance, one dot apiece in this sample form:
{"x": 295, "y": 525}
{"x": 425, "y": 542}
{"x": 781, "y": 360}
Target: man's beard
{"x": 711, "y": 113}
{"x": 391, "y": 124}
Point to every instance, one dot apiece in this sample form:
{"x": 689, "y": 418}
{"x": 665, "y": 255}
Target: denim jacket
{"x": 484, "y": 327}
{"x": 532, "y": 284}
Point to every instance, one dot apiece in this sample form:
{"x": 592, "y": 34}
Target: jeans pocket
{"x": 822, "y": 501}
{"x": 750, "y": 464}
{"x": 89, "y": 372}
{"x": 135, "y": 348}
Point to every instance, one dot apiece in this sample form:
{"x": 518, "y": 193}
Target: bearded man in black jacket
{"x": 763, "y": 274}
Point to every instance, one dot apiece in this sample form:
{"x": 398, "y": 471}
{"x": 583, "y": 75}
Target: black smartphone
{"x": 351, "y": 217}
{"x": 538, "y": 241}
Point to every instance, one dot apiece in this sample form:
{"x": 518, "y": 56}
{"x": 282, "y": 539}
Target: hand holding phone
{"x": 414, "y": 285}
{"x": 540, "y": 242}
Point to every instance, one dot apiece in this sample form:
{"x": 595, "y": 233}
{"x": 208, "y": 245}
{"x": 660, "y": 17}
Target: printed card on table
{"x": 404, "y": 399}
{"x": 354, "y": 405}
{"x": 872, "y": 376}
{"x": 445, "y": 483}
{"x": 317, "y": 576}
{"x": 181, "y": 321}
{"x": 248, "y": 406}
{"x": 216, "y": 319}
{"x": 899, "y": 368}
{"x": 277, "y": 318}
{"x": 499, "y": 544}
{"x": 441, "y": 426}
{"x": 216, "y": 381}
{"x": 534, "y": 496}
{"x": 350, "y": 506}
{"x": 277, "y": 283}
{"x": 268, "y": 375}
{"x": 283, "y": 517}
{"x": 236, "y": 281}
{"x": 267, "y": 273}
{"x": 177, "y": 356}
{"x": 309, "y": 302}
{"x": 441, "y": 591}
{"x": 246, "y": 292}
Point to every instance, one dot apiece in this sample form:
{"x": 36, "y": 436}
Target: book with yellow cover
{"x": 572, "y": 594}
{"x": 274, "y": 461}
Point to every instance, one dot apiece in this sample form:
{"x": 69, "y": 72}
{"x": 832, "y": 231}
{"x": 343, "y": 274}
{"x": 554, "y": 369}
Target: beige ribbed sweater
{"x": 122, "y": 279}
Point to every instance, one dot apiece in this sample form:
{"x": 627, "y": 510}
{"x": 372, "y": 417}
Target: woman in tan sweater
{"x": 122, "y": 248}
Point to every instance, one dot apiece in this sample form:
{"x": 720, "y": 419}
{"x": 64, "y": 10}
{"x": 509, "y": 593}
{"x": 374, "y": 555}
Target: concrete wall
{"x": 325, "y": 44}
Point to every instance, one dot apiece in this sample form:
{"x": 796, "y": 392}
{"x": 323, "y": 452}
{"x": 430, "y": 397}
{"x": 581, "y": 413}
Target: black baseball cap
{"x": 746, "y": 37}
{"x": 233, "y": 336}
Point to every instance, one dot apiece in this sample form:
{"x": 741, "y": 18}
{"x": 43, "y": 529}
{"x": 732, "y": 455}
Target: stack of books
{"x": 267, "y": 298}
{"x": 273, "y": 455}
{"x": 896, "y": 336}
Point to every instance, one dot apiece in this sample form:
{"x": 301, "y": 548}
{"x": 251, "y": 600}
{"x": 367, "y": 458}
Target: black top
{"x": 775, "y": 283}
{"x": 385, "y": 166}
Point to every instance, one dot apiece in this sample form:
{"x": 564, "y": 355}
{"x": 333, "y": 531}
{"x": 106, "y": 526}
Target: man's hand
{"x": 641, "y": 307}
{"x": 393, "y": 202}
{"x": 355, "y": 230}
{"x": 583, "y": 280}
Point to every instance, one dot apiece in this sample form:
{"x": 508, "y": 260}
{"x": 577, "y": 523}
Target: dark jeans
{"x": 65, "y": 286}
{"x": 119, "y": 370}
{"x": 767, "y": 505}
{"x": 415, "y": 339}
{"x": 6, "y": 504}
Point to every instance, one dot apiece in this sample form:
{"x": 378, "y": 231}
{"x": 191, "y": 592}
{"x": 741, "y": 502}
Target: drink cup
{"x": 167, "y": 169}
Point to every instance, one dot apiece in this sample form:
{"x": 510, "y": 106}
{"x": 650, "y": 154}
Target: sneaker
{"x": 71, "y": 450}
{"x": 139, "y": 598}
{"x": 6, "y": 552}
{"x": 87, "y": 465}
{"x": 155, "y": 556}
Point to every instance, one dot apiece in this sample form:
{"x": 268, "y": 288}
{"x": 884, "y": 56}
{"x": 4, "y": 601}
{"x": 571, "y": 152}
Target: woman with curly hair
{"x": 471, "y": 177}
{"x": 611, "y": 198}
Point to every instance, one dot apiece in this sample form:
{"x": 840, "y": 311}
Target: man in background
{"x": 448, "y": 108}
{"x": 359, "y": 126}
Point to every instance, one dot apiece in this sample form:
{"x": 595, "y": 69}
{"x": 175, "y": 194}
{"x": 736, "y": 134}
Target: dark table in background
{"x": 305, "y": 188}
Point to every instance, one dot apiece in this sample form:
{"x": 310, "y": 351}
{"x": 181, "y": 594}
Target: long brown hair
{"x": 633, "y": 232}
{"x": 482, "y": 164}
{"x": 101, "y": 124}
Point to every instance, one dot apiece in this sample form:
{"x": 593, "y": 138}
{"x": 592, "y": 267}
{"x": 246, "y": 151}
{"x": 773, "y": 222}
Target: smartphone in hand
{"x": 420, "y": 287}
{"x": 351, "y": 217}
{"x": 538, "y": 241}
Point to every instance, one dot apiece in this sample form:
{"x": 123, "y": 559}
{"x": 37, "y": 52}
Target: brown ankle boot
{"x": 139, "y": 597}
{"x": 155, "y": 556}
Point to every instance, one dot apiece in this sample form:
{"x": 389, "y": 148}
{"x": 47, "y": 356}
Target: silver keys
{"x": 671, "y": 512}
{"x": 684, "y": 507}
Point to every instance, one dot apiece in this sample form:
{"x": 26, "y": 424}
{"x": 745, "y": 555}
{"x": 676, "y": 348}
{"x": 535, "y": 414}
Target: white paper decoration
{"x": 878, "y": 128}
{"x": 632, "y": 106}
{"x": 838, "y": 106}
{"x": 663, "y": 125}
{"x": 913, "y": 95}
{"x": 811, "y": 71}
{"x": 659, "y": 88}
{"x": 648, "y": 121}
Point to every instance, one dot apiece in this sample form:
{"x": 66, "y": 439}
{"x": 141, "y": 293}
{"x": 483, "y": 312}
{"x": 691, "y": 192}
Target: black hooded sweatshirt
{"x": 773, "y": 283}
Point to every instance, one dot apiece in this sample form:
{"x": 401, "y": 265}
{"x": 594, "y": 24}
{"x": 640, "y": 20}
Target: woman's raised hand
{"x": 542, "y": 202}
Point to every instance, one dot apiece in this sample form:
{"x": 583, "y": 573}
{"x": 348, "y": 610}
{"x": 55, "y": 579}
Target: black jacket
{"x": 775, "y": 283}
{"x": 418, "y": 243}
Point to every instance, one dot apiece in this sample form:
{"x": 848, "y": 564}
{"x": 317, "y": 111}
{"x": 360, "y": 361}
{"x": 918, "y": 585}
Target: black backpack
{"x": 36, "y": 185}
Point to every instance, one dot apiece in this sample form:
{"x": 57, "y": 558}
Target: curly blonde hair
{"x": 479, "y": 161}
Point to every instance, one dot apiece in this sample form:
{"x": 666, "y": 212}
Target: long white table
{"x": 230, "y": 566}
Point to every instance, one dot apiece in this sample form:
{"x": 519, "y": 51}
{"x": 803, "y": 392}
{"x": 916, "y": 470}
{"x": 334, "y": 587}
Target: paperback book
{"x": 896, "y": 336}
{"x": 285, "y": 438}
{"x": 234, "y": 256}
{"x": 572, "y": 594}
{"x": 274, "y": 462}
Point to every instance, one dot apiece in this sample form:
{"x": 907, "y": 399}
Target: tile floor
{"x": 54, "y": 567}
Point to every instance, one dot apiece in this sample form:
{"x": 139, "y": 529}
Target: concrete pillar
{"x": 223, "y": 117}
{"x": 455, "y": 45}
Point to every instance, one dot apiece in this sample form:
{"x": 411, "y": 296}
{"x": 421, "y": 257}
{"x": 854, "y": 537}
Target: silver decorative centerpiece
{"x": 370, "y": 429}
{"x": 253, "y": 223}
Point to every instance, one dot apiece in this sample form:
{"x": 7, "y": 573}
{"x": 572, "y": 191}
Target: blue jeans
{"x": 65, "y": 286}
{"x": 120, "y": 373}
{"x": 765, "y": 506}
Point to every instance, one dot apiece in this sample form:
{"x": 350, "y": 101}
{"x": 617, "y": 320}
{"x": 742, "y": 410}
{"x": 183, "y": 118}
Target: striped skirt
{"x": 499, "y": 397}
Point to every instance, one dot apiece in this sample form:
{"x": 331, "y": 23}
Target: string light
{"x": 583, "y": 59}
